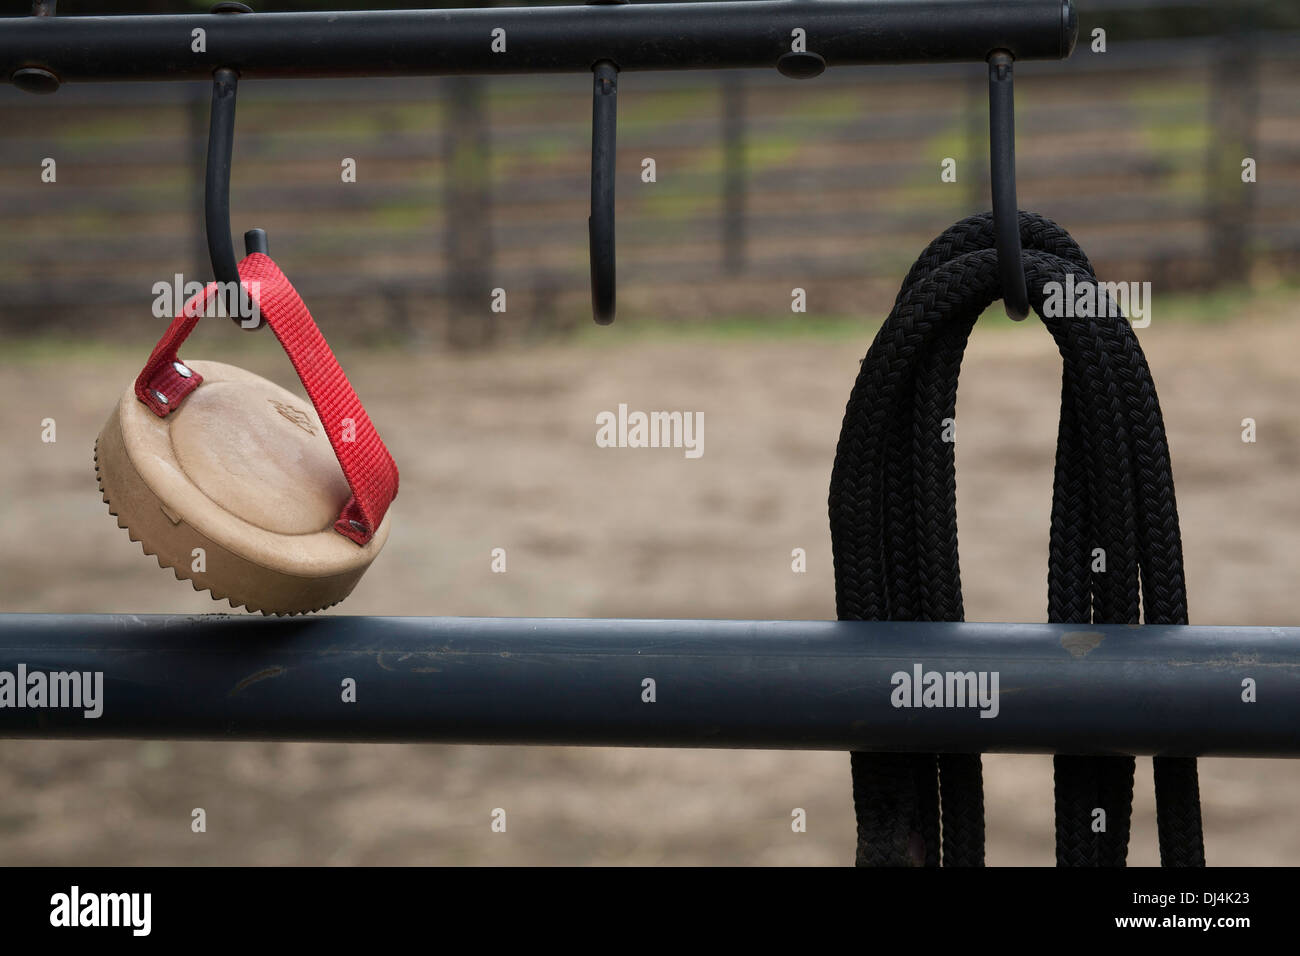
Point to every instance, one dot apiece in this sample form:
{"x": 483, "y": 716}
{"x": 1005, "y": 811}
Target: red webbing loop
{"x": 369, "y": 468}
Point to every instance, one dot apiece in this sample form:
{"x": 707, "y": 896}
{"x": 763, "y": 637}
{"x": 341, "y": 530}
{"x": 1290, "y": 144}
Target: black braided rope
{"x": 894, "y": 537}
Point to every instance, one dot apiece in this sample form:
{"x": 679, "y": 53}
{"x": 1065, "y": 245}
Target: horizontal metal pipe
{"x": 637, "y": 36}
{"x": 815, "y": 685}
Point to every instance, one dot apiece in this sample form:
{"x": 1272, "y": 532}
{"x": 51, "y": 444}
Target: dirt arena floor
{"x": 499, "y": 451}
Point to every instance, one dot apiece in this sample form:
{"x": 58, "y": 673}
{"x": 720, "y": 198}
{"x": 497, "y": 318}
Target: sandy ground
{"x": 498, "y": 451}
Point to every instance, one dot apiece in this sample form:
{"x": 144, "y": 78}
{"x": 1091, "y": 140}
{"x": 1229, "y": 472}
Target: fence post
{"x": 975, "y": 169}
{"x": 1232, "y": 128}
{"x": 734, "y": 174}
{"x": 198, "y": 96}
{"x": 467, "y": 206}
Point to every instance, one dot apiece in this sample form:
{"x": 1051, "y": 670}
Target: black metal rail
{"x": 920, "y": 687}
{"x": 638, "y": 36}
{"x": 758, "y": 684}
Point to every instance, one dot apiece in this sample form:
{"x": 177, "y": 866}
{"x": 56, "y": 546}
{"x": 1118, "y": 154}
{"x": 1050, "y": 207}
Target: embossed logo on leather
{"x": 294, "y": 414}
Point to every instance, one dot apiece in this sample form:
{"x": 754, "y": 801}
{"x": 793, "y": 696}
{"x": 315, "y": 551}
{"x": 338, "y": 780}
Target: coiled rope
{"x": 893, "y": 522}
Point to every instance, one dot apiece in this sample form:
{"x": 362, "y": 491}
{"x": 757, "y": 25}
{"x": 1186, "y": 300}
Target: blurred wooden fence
{"x": 763, "y": 184}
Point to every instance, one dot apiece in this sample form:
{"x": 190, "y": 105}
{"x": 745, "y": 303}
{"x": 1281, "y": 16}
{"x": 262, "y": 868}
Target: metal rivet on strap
{"x": 181, "y": 369}
{"x": 160, "y": 396}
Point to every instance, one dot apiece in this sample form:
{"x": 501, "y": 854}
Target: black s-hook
{"x": 216, "y": 191}
{"x": 1002, "y": 172}
{"x": 600, "y": 224}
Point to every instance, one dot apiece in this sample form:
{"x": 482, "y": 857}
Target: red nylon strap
{"x": 367, "y": 465}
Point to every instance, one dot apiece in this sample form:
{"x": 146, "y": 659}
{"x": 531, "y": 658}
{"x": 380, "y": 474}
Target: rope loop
{"x": 893, "y": 522}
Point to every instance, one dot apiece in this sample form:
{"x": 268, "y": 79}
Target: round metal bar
{"x": 832, "y": 685}
{"x": 637, "y": 36}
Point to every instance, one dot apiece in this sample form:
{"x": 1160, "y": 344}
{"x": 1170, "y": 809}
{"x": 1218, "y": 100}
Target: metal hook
{"x": 600, "y": 224}
{"x": 1002, "y": 172}
{"x": 216, "y": 191}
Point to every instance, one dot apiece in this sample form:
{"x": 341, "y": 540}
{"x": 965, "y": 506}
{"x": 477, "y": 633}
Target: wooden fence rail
{"x": 762, "y": 184}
